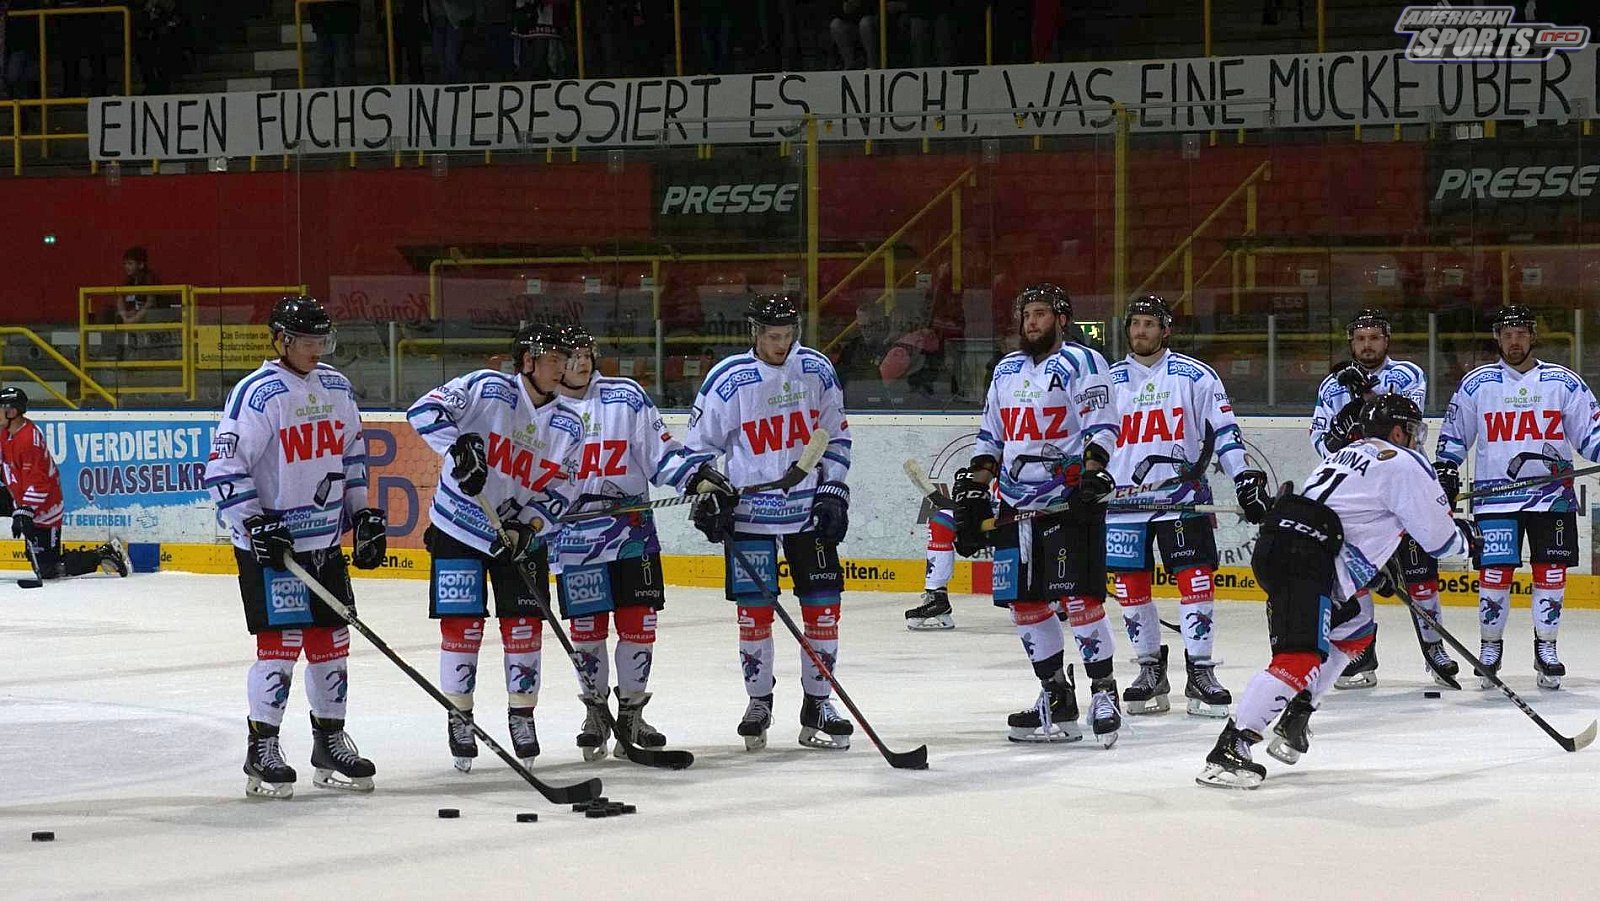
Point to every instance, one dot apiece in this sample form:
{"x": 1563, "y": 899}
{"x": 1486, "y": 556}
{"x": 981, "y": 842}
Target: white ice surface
{"x": 122, "y": 729}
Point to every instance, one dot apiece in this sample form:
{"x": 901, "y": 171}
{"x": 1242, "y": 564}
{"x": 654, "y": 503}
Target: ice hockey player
{"x": 934, "y": 613}
{"x": 1316, "y": 549}
{"x": 31, "y": 496}
{"x": 1522, "y": 417}
{"x": 1336, "y": 422}
{"x": 1170, "y": 403}
{"x": 1048, "y": 429}
{"x": 610, "y": 566}
{"x": 288, "y": 471}
{"x": 510, "y": 439}
{"x": 757, "y": 410}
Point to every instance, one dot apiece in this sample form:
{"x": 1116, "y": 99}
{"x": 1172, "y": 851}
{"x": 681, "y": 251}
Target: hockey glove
{"x": 1473, "y": 537}
{"x": 707, "y": 479}
{"x": 21, "y": 523}
{"x": 972, "y": 508}
{"x": 1251, "y": 488}
{"x": 1346, "y": 426}
{"x": 270, "y": 541}
{"x": 830, "y": 512}
{"x": 1094, "y": 486}
{"x": 1449, "y": 475}
{"x": 369, "y": 538}
{"x": 522, "y": 547}
{"x": 471, "y": 467}
{"x": 1355, "y": 380}
{"x": 7, "y": 504}
{"x": 713, "y": 515}
{"x": 1390, "y": 580}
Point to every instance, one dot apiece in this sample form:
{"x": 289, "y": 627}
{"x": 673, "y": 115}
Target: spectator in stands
{"x": 777, "y": 22}
{"x": 159, "y": 44}
{"x": 538, "y": 34}
{"x": 630, "y": 33}
{"x": 716, "y": 35}
{"x": 451, "y": 19}
{"x": 85, "y": 41}
{"x": 410, "y": 32}
{"x": 19, "y": 56}
{"x": 853, "y": 35}
{"x": 134, "y": 308}
{"x": 336, "y": 22}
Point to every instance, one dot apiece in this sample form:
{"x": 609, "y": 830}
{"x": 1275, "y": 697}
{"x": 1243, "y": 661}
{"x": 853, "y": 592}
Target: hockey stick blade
{"x": 587, "y": 790}
{"x": 810, "y": 456}
{"x": 650, "y": 757}
{"x": 1576, "y": 743}
{"x": 914, "y": 759}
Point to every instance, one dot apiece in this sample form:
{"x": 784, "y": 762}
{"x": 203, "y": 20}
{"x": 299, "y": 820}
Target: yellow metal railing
{"x": 86, "y": 383}
{"x": 1247, "y": 191}
{"x": 44, "y": 102}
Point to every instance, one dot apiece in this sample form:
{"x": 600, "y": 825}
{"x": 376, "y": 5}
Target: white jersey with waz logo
{"x": 626, "y": 449}
{"x": 1166, "y": 408}
{"x": 760, "y": 417}
{"x": 290, "y": 446}
{"x": 1380, "y": 490}
{"x": 1039, "y": 416}
{"x": 1394, "y": 377}
{"x": 532, "y": 453}
{"x": 1522, "y": 425}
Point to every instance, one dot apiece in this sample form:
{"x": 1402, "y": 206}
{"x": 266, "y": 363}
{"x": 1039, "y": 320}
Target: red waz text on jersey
{"x": 1512, "y": 425}
{"x": 1141, "y": 426}
{"x": 604, "y": 458}
{"x": 1022, "y": 423}
{"x": 519, "y": 463}
{"x": 779, "y": 432}
{"x": 310, "y": 440}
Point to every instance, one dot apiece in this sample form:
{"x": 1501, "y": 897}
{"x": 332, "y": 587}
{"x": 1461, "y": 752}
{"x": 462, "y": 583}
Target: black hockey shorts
{"x": 1067, "y": 558}
{"x": 1552, "y": 538}
{"x": 1188, "y": 542}
{"x": 276, "y": 599}
{"x": 1415, "y": 562}
{"x": 813, "y": 565}
{"x": 603, "y": 587}
{"x": 1293, "y": 560}
{"x": 457, "y": 586}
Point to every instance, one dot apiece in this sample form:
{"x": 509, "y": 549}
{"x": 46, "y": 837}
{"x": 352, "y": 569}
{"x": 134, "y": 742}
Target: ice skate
{"x": 269, "y": 775}
{"x": 934, "y": 613}
{"x": 1229, "y": 764}
{"x": 463, "y": 743}
{"x": 822, "y": 727}
{"x": 1489, "y": 656}
{"x": 1105, "y": 717}
{"x": 1206, "y": 695}
{"x": 1293, "y": 731}
{"x": 594, "y": 734}
{"x": 1361, "y": 672}
{"x": 338, "y": 763}
{"x": 1053, "y": 718}
{"x": 631, "y": 723}
{"x": 1440, "y": 666}
{"x": 757, "y": 718}
{"x": 1148, "y": 693}
{"x": 112, "y": 559}
{"x": 524, "y": 735}
{"x": 1547, "y": 664}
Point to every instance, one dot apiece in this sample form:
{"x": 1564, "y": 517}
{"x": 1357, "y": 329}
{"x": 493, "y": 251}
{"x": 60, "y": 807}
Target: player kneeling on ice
{"x": 511, "y": 440}
{"x": 757, "y": 410}
{"x": 288, "y": 470}
{"x": 31, "y": 496}
{"x": 1049, "y": 427}
{"x": 1322, "y": 543}
{"x": 611, "y": 565}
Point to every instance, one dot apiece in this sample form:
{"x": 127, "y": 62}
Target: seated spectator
{"x": 853, "y": 35}
{"x": 134, "y": 308}
{"x": 930, "y": 32}
{"x": 336, "y": 23}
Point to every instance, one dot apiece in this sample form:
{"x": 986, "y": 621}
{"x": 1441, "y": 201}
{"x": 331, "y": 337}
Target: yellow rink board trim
{"x": 1456, "y": 588}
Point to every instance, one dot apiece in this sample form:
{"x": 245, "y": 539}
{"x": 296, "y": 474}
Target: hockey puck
{"x": 449, "y": 813}
{"x": 581, "y": 806}
{"x": 527, "y": 818}
{"x": 629, "y": 808}
{"x": 44, "y": 836}
{"x": 595, "y": 813}
{"x": 30, "y": 583}
{"x": 1431, "y": 694}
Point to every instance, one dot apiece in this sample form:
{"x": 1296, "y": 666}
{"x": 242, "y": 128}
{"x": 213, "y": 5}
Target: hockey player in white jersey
{"x": 1048, "y": 429}
{"x": 934, "y": 613}
{"x": 1522, "y": 417}
{"x": 288, "y": 471}
{"x": 1169, "y": 403}
{"x": 610, "y": 566}
{"x": 1335, "y": 423}
{"x": 1316, "y": 549}
{"x": 757, "y": 410}
{"x": 510, "y": 439}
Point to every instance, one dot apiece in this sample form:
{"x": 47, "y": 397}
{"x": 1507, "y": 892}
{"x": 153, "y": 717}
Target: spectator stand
{"x": 11, "y": 109}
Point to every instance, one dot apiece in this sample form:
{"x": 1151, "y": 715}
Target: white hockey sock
{"x": 633, "y": 666}
{"x": 1427, "y": 597}
{"x": 1196, "y": 620}
{"x": 1091, "y": 630}
{"x": 1143, "y": 624}
{"x": 1262, "y": 700}
{"x": 941, "y": 565}
{"x": 594, "y": 667}
{"x": 326, "y": 685}
{"x": 1327, "y": 674}
{"x": 1547, "y": 603}
{"x": 812, "y": 682}
{"x": 1494, "y": 608}
{"x": 755, "y": 659}
{"x": 268, "y": 688}
{"x": 522, "y": 677}
{"x": 458, "y": 672}
{"x": 1042, "y": 639}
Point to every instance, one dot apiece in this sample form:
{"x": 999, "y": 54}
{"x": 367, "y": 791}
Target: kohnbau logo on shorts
{"x": 1448, "y": 34}
{"x": 687, "y": 200}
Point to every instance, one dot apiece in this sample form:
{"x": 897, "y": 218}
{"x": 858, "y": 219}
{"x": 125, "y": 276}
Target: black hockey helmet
{"x": 14, "y": 397}
{"x": 1515, "y": 314}
{"x": 1384, "y": 412}
{"x": 302, "y": 317}
{"x": 772, "y": 310}
{"x": 1054, "y": 296}
{"x": 1367, "y": 318}
{"x": 1148, "y": 305}
{"x": 572, "y": 337}
{"x": 537, "y": 339}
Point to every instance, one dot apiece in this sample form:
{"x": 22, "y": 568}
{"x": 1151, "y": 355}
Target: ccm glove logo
{"x": 1290, "y": 525}
{"x": 684, "y": 200}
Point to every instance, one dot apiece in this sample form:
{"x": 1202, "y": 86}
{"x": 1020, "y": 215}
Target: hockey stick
{"x": 939, "y": 499}
{"x": 651, "y": 757}
{"x": 794, "y": 475}
{"x": 587, "y": 790}
{"x": 1578, "y": 742}
{"x": 915, "y": 759}
{"x": 1530, "y": 482}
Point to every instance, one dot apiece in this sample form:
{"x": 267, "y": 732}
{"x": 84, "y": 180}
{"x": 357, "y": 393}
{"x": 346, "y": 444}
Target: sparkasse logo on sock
{"x": 1447, "y": 34}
